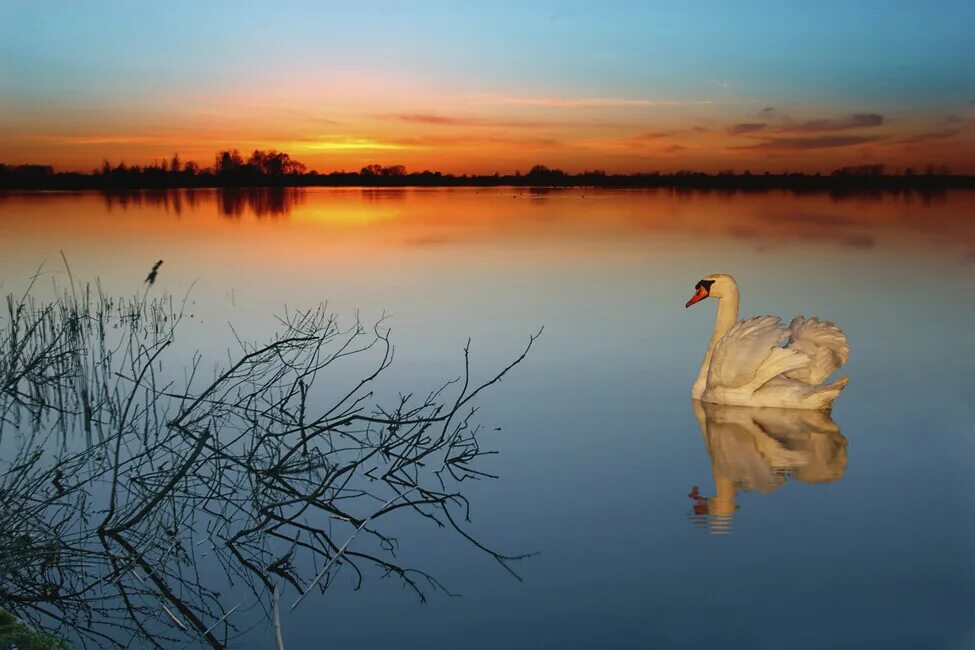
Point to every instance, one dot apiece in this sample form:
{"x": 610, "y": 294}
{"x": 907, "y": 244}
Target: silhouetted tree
{"x": 228, "y": 162}
{"x": 277, "y": 169}
{"x": 542, "y": 175}
{"x": 860, "y": 170}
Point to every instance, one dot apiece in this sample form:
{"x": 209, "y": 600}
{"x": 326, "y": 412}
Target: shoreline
{"x": 801, "y": 184}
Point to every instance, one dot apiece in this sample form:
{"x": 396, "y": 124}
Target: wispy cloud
{"x": 438, "y": 120}
{"x": 649, "y": 136}
{"x": 855, "y": 121}
{"x": 440, "y": 141}
{"x": 929, "y": 136}
{"x": 487, "y": 122}
{"x": 84, "y": 139}
{"x": 745, "y": 127}
{"x": 806, "y": 144}
{"x": 588, "y": 102}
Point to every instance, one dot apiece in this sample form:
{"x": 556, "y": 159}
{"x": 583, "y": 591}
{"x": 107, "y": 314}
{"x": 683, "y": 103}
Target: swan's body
{"x": 745, "y": 364}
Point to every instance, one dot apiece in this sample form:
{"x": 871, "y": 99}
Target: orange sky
{"x": 488, "y": 134}
{"x": 622, "y": 88}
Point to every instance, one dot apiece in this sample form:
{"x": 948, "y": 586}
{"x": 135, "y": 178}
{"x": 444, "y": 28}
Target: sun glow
{"x": 649, "y": 90}
{"x": 348, "y": 144}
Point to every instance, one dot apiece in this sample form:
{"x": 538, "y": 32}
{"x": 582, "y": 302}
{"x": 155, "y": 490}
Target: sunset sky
{"x": 484, "y": 87}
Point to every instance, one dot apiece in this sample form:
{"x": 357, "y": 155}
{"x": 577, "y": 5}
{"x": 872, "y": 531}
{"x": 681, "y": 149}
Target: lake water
{"x": 846, "y": 531}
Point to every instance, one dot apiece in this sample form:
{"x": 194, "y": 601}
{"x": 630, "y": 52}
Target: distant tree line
{"x": 278, "y": 169}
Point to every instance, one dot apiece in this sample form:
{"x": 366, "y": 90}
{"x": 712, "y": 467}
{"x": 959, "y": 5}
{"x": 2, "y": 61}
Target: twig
{"x": 341, "y": 550}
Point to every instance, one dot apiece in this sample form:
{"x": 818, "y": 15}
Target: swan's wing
{"x": 825, "y": 345}
{"x": 740, "y": 354}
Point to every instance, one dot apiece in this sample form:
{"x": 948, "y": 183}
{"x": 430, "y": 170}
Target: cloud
{"x": 589, "y": 102}
{"x": 434, "y": 119}
{"x": 805, "y": 144}
{"x": 855, "y": 121}
{"x": 674, "y": 148}
{"x": 929, "y": 136}
{"x": 435, "y": 141}
{"x": 767, "y": 111}
{"x": 439, "y": 120}
{"x": 652, "y": 135}
{"x": 745, "y": 127}
{"x": 96, "y": 139}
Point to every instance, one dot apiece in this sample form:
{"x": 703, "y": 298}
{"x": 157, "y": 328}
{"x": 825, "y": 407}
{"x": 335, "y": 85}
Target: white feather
{"x": 740, "y": 353}
{"x": 747, "y": 365}
{"x": 825, "y": 345}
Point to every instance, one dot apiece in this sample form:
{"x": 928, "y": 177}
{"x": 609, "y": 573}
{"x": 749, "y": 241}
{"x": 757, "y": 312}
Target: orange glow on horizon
{"x": 484, "y": 134}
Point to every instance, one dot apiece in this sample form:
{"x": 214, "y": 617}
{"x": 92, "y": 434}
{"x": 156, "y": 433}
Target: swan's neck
{"x": 726, "y": 318}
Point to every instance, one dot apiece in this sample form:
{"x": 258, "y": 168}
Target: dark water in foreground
{"x": 847, "y": 531}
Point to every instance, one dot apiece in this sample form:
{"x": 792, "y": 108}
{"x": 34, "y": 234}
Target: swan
{"x": 745, "y": 364}
{"x": 757, "y": 449}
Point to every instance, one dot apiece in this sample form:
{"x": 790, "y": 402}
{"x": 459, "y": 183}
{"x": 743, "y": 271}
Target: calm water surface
{"x": 810, "y": 531}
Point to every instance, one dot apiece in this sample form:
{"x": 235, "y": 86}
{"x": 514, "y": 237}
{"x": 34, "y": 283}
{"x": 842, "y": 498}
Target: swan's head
{"x": 716, "y": 285}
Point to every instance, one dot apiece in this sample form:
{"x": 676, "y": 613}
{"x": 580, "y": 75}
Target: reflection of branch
{"x": 100, "y": 537}
{"x": 339, "y": 553}
{"x": 164, "y": 589}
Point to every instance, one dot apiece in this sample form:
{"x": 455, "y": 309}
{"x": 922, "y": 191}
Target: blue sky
{"x": 135, "y": 68}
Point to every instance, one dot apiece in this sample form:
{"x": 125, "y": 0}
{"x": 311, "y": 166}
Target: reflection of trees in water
{"x": 261, "y": 201}
{"x": 231, "y": 201}
{"x": 383, "y": 194}
{"x": 758, "y": 449}
{"x": 838, "y": 222}
{"x": 165, "y": 199}
{"x": 136, "y": 504}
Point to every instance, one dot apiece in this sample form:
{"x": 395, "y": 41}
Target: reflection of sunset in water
{"x": 598, "y": 449}
{"x": 400, "y": 218}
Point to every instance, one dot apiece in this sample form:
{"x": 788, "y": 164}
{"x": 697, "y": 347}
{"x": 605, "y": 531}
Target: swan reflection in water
{"x": 758, "y": 449}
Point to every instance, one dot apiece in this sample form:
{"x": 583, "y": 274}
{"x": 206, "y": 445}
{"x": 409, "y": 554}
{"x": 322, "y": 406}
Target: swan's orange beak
{"x": 701, "y": 294}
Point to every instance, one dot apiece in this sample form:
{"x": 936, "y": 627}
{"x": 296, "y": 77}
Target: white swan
{"x": 745, "y": 364}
